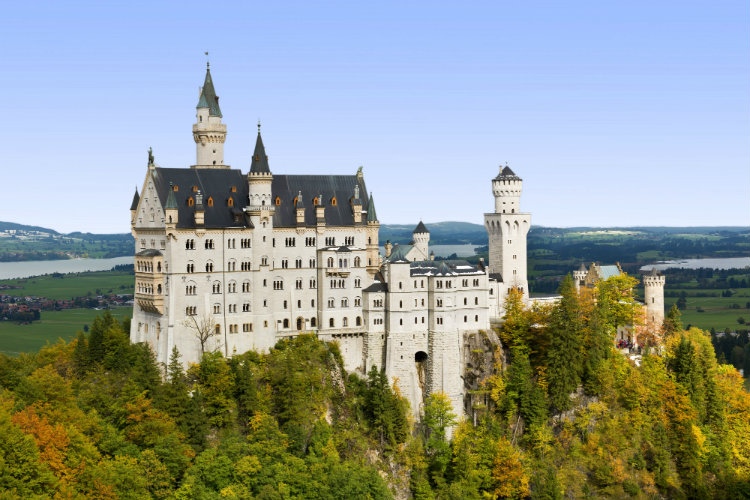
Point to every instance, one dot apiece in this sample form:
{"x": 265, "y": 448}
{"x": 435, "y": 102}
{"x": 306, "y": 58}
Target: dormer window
{"x": 190, "y": 202}
{"x": 195, "y": 189}
{"x": 175, "y": 188}
{"x": 294, "y": 202}
{"x": 234, "y": 189}
{"x": 210, "y": 202}
{"x": 277, "y": 202}
{"x": 315, "y": 201}
{"x": 333, "y": 201}
{"x": 230, "y": 202}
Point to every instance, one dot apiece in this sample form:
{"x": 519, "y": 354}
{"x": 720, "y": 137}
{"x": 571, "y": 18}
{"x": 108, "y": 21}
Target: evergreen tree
{"x": 438, "y": 417}
{"x": 385, "y": 410}
{"x": 564, "y": 365}
{"x": 81, "y": 359}
{"x": 525, "y": 395}
{"x": 673, "y": 321}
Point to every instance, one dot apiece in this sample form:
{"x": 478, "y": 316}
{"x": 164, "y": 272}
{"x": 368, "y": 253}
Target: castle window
{"x": 358, "y": 321}
{"x": 294, "y": 202}
{"x": 217, "y": 329}
{"x": 190, "y": 202}
{"x": 230, "y": 202}
{"x": 476, "y": 318}
{"x": 286, "y": 323}
{"x": 277, "y": 202}
{"x": 210, "y": 201}
{"x": 333, "y": 201}
{"x": 476, "y": 301}
{"x": 175, "y": 188}
{"x": 313, "y": 322}
{"x": 234, "y": 189}
{"x": 331, "y": 323}
{"x": 195, "y": 189}
{"x": 315, "y": 201}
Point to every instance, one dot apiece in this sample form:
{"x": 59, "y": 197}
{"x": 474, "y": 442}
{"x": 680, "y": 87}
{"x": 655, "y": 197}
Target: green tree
{"x": 673, "y": 321}
{"x": 385, "y": 411}
{"x": 564, "y": 365}
{"x": 525, "y": 397}
{"x": 438, "y": 417}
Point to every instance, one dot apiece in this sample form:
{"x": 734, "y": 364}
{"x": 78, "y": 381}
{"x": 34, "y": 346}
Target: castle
{"x": 232, "y": 262}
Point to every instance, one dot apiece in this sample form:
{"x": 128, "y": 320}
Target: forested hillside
{"x": 559, "y": 414}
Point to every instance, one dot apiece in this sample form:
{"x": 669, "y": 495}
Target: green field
{"x": 15, "y": 338}
{"x": 718, "y": 312}
{"x": 68, "y": 286}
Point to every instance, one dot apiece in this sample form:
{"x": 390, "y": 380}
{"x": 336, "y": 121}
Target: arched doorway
{"x": 300, "y": 323}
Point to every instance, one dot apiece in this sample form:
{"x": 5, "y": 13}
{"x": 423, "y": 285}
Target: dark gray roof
{"x": 340, "y": 187}
{"x": 371, "y": 215}
{"x": 217, "y": 184}
{"x": 420, "y": 228}
{"x": 497, "y": 277}
{"x": 398, "y": 253}
{"x": 507, "y": 174}
{"x": 213, "y": 183}
{"x": 443, "y": 267}
{"x": 259, "y": 164}
{"x": 208, "y": 98}
{"x": 377, "y": 286}
{"x": 151, "y": 252}
{"x": 582, "y": 267}
{"x": 136, "y": 199}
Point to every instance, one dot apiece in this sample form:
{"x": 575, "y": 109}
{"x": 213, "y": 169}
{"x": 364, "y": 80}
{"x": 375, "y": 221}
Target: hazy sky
{"x": 613, "y": 113}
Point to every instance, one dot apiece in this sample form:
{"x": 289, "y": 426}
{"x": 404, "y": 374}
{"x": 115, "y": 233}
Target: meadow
{"x": 53, "y": 325}
{"x": 68, "y": 286}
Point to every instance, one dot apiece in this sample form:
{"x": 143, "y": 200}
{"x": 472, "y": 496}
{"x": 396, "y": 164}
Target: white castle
{"x": 232, "y": 262}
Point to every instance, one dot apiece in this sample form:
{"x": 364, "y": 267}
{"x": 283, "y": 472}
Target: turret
{"x": 507, "y": 188}
{"x": 421, "y": 238}
{"x": 653, "y": 288}
{"x": 134, "y": 206}
{"x": 260, "y": 178}
{"x": 208, "y": 132}
{"x": 170, "y": 208}
{"x": 356, "y": 206}
{"x": 579, "y": 276}
{"x": 373, "y": 248}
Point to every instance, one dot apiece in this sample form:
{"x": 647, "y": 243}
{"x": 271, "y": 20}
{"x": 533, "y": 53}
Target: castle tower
{"x": 261, "y": 209}
{"x": 507, "y": 228}
{"x": 653, "y": 285}
{"x": 208, "y": 131}
{"x": 421, "y": 238}
{"x": 579, "y": 276}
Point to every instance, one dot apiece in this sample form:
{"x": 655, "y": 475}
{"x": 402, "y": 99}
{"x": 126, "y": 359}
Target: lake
{"x": 723, "y": 263}
{"x": 25, "y": 269}
{"x": 465, "y": 250}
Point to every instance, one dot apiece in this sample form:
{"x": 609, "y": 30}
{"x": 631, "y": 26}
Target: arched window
{"x": 294, "y": 202}
{"x": 315, "y": 201}
{"x": 217, "y": 329}
{"x": 330, "y": 261}
{"x": 357, "y": 262}
{"x": 331, "y": 323}
{"x": 286, "y": 323}
{"x": 230, "y": 202}
{"x": 333, "y": 201}
{"x": 210, "y": 201}
{"x": 190, "y": 202}
{"x": 359, "y": 321}
{"x": 277, "y": 202}
{"x": 313, "y": 322}
{"x": 175, "y": 188}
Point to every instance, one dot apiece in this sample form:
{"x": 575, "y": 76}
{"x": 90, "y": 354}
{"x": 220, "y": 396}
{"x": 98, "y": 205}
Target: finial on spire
{"x": 208, "y": 64}
{"x": 259, "y": 125}
{"x": 150, "y": 156}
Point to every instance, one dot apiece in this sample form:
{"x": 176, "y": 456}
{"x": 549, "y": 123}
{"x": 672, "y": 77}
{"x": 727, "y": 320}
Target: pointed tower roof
{"x": 371, "y": 215}
{"x": 171, "y": 201}
{"x": 507, "y": 174}
{"x": 259, "y": 164}
{"x": 582, "y": 267}
{"x": 420, "y": 228}
{"x": 208, "y": 98}
{"x": 136, "y": 199}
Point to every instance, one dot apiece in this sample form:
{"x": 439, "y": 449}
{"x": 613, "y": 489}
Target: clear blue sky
{"x": 614, "y": 113}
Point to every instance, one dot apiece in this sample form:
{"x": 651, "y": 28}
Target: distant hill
{"x": 11, "y": 226}
{"x": 441, "y": 233}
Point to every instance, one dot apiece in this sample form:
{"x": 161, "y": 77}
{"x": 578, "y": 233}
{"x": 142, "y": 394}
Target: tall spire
{"x": 371, "y": 215}
{"x": 259, "y": 164}
{"x": 208, "y": 98}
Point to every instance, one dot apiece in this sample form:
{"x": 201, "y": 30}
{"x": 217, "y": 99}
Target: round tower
{"x": 208, "y": 131}
{"x": 507, "y": 188}
{"x": 653, "y": 286}
{"x": 421, "y": 238}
